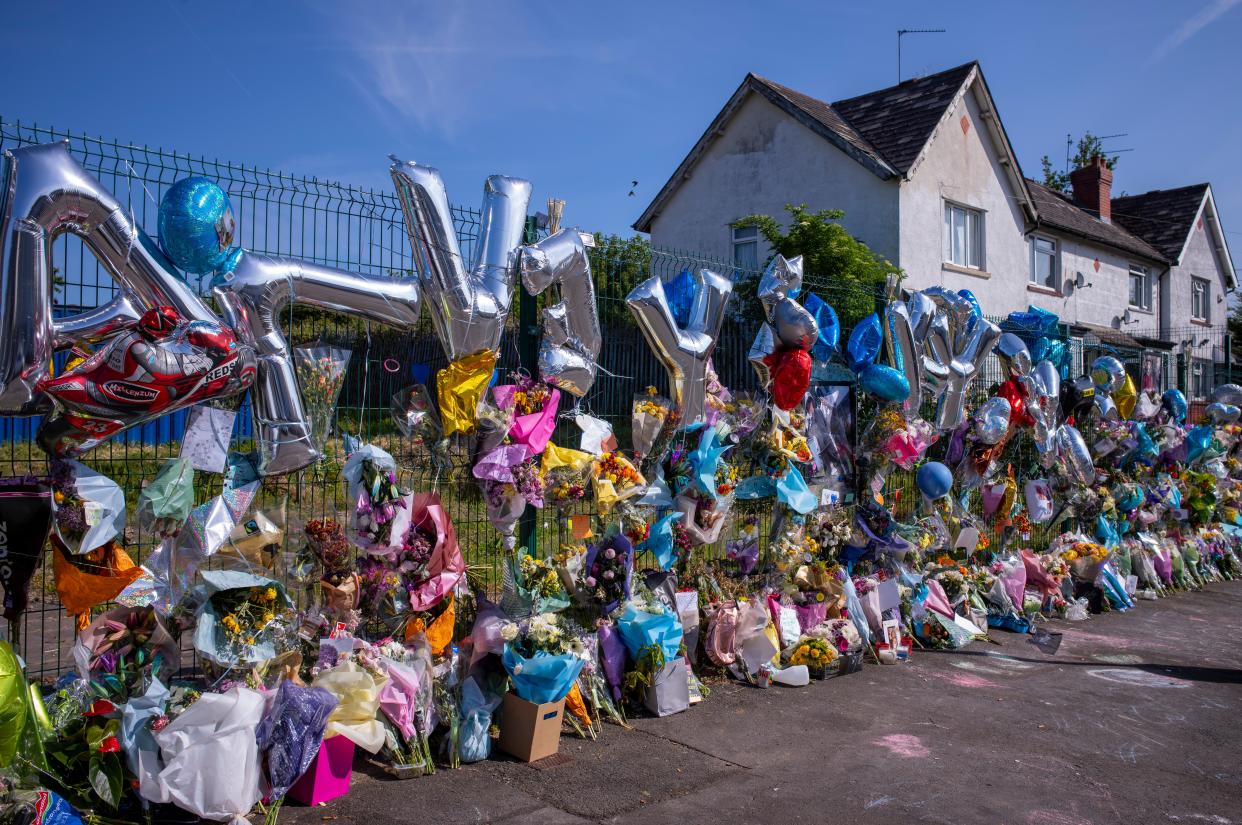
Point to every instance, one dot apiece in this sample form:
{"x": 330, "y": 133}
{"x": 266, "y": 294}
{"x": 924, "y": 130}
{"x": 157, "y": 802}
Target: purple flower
{"x": 609, "y": 575}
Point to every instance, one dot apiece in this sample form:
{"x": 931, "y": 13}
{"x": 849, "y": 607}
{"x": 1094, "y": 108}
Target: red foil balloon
{"x": 1015, "y": 394}
{"x": 791, "y": 375}
{"x": 162, "y": 365}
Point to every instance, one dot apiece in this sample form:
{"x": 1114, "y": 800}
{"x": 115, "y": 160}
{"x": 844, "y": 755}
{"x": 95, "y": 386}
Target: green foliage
{"x": 1088, "y": 147}
{"x": 618, "y": 265}
{"x": 838, "y": 267}
{"x": 1235, "y": 333}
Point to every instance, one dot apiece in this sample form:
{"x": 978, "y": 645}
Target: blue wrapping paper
{"x": 639, "y": 629}
{"x": 660, "y": 540}
{"x": 543, "y": 677}
{"x": 705, "y": 459}
{"x": 792, "y": 491}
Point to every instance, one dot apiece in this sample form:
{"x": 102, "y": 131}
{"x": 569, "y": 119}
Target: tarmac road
{"x": 1137, "y": 718}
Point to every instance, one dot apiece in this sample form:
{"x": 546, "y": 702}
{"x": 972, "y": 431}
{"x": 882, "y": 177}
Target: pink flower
{"x": 610, "y": 553}
{"x": 609, "y": 575}
{"x": 590, "y": 581}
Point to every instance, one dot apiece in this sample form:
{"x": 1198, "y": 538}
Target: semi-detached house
{"x": 927, "y": 178}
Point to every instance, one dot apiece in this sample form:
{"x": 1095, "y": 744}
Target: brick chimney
{"x": 1093, "y": 188}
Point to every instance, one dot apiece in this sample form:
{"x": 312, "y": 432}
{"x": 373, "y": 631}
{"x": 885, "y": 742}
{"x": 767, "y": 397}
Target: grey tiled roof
{"x": 1059, "y": 212}
{"x": 899, "y": 120}
{"x": 1162, "y": 218}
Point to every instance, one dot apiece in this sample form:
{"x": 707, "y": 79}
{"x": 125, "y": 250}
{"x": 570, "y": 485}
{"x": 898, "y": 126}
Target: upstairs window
{"x": 963, "y": 236}
{"x": 1044, "y": 262}
{"x": 746, "y": 247}
{"x": 1200, "y": 299}
{"x": 1140, "y": 286}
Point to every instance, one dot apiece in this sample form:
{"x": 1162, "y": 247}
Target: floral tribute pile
{"x": 1043, "y": 496}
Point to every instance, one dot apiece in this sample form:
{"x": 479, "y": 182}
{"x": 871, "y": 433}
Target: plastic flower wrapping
{"x": 803, "y": 528}
{"x": 321, "y": 375}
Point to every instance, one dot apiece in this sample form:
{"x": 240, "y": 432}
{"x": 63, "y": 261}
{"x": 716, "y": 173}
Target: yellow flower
{"x": 269, "y": 595}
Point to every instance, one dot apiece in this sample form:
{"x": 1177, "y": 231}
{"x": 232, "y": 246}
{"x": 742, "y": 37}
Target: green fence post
{"x": 1228, "y": 358}
{"x": 528, "y": 355}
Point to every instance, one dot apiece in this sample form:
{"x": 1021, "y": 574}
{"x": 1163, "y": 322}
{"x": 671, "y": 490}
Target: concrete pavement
{"x": 1137, "y": 718}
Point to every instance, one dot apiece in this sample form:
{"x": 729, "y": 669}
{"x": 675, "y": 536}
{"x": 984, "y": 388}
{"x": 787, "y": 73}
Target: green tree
{"x": 618, "y": 265}
{"x": 1088, "y": 147}
{"x": 838, "y": 267}
{"x": 1235, "y": 335}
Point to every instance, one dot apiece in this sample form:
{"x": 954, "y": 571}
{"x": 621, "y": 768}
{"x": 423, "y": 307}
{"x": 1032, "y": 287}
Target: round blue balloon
{"x": 865, "y": 342}
{"x": 1174, "y": 402}
{"x": 196, "y": 225}
{"x": 934, "y": 480}
{"x": 885, "y": 382}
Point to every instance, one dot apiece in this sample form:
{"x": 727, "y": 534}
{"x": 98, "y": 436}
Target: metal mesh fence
{"x": 362, "y": 230}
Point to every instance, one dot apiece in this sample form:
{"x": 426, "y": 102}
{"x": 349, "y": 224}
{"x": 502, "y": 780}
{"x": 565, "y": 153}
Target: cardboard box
{"x": 529, "y": 731}
{"x": 328, "y": 775}
{"x": 670, "y": 689}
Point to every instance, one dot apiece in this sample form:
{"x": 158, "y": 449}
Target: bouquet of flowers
{"x": 165, "y": 503}
{"x": 237, "y": 616}
{"x": 543, "y": 656}
{"x": 326, "y": 543}
{"x": 124, "y": 647}
{"x": 815, "y": 653}
{"x": 533, "y": 406}
{"x": 89, "y": 508}
{"x": 1085, "y": 558}
{"x": 321, "y": 374}
{"x": 565, "y": 475}
{"x": 372, "y": 477}
{"x": 415, "y": 415}
{"x": 531, "y": 587}
{"x": 615, "y": 480}
{"x": 606, "y": 572}
{"x": 653, "y": 418}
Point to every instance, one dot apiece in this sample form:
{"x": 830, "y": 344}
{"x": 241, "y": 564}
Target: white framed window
{"x": 1140, "y": 286}
{"x": 1044, "y": 269}
{"x": 1200, "y": 378}
{"x": 746, "y": 247}
{"x": 1200, "y": 299}
{"x": 963, "y": 236}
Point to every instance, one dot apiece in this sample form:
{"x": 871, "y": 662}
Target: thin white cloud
{"x": 431, "y": 63}
{"x": 1194, "y": 24}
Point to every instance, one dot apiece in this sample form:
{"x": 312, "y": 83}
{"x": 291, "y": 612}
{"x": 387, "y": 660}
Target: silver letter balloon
{"x": 683, "y": 351}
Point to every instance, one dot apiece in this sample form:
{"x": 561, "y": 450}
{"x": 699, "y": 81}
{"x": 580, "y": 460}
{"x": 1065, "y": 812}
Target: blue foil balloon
{"x": 975, "y": 309}
{"x": 934, "y": 480}
{"x": 885, "y": 382}
{"x": 1198, "y": 440}
{"x": 1174, "y": 402}
{"x": 680, "y": 295}
{"x": 1054, "y": 350}
{"x": 865, "y": 342}
{"x": 196, "y": 225}
{"x": 829, "y": 326}
{"x": 1034, "y": 321}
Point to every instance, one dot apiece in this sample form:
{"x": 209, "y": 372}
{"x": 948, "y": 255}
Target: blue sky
{"x": 584, "y": 98}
